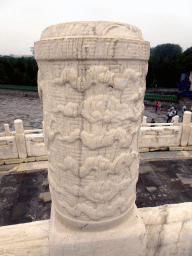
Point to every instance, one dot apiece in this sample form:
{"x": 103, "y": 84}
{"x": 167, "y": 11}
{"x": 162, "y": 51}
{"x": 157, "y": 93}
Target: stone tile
{"x": 14, "y": 161}
{"x": 41, "y": 158}
{"x": 142, "y": 150}
{"x": 161, "y": 155}
{"x": 174, "y": 184}
{"x": 162, "y": 166}
{"x": 22, "y": 167}
{"x": 180, "y": 148}
{"x": 159, "y": 193}
{"x": 163, "y": 202}
{"x": 143, "y": 199}
{"x": 19, "y": 210}
{"x": 37, "y": 165}
{"x": 25, "y": 194}
{"x": 7, "y": 168}
{"x": 145, "y": 168}
{"x": 151, "y": 179}
{"x": 182, "y": 196}
{"x": 29, "y": 159}
{"x": 185, "y": 178}
{"x": 186, "y": 154}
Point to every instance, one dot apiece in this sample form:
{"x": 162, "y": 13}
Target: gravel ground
{"x": 27, "y": 106}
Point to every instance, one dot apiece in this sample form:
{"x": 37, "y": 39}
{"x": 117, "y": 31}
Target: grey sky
{"x": 165, "y": 21}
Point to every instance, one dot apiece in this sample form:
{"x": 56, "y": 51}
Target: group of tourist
{"x": 172, "y": 111}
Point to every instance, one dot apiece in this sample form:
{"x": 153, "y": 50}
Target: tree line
{"x": 166, "y": 64}
{"x": 18, "y": 71}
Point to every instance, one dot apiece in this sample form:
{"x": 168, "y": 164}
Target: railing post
{"x": 186, "y": 128}
{"x": 144, "y": 121}
{"x": 7, "y": 130}
{"x": 20, "y": 138}
{"x": 176, "y": 120}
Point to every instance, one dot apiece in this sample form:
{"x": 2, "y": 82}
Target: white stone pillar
{"x": 186, "y": 128}
{"x": 144, "y": 121}
{"x": 176, "y": 120}
{"x": 7, "y": 130}
{"x": 91, "y": 79}
{"x": 20, "y": 138}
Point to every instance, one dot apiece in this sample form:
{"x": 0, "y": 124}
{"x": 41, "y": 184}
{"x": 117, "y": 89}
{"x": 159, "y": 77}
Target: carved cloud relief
{"x": 109, "y": 118}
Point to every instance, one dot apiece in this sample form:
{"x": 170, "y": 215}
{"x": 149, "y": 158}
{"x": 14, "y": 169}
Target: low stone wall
{"x": 23, "y": 144}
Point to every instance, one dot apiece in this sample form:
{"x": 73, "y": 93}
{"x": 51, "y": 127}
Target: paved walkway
{"x": 165, "y": 178}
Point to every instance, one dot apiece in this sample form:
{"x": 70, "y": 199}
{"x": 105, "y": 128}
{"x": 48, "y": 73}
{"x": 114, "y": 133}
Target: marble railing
{"x": 22, "y": 144}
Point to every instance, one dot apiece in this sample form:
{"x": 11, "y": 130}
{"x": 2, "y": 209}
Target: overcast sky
{"x": 22, "y": 21}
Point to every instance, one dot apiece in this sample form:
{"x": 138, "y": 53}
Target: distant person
{"x": 183, "y": 109}
{"x": 156, "y": 106}
{"x": 191, "y": 108}
{"x": 152, "y": 121}
{"x": 175, "y": 111}
{"x": 172, "y": 105}
{"x": 169, "y": 116}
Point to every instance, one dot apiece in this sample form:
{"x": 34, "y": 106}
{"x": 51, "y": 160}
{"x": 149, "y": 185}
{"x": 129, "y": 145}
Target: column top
{"x": 92, "y": 29}
{"x": 85, "y": 40}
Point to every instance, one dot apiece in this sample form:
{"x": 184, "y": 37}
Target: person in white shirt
{"x": 183, "y": 109}
{"x": 169, "y": 115}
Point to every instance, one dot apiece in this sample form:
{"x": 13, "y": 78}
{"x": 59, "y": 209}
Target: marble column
{"x": 91, "y": 79}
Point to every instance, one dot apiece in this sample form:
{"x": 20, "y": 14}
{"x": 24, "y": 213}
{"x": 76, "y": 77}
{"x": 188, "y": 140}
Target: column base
{"x": 128, "y": 238}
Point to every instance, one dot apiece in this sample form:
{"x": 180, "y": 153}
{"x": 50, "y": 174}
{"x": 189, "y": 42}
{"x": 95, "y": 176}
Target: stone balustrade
{"x": 24, "y": 144}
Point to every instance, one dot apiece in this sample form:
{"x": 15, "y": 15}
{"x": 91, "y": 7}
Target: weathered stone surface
{"x": 41, "y": 158}
{"x": 92, "y": 104}
{"x": 22, "y": 167}
{"x": 14, "y": 161}
{"x": 2, "y": 162}
{"x": 169, "y": 232}
{"x": 169, "y": 229}
{"x": 37, "y": 165}
{"x": 142, "y": 150}
{"x": 8, "y": 147}
{"x": 25, "y": 239}
{"x": 154, "y": 137}
{"x": 180, "y": 148}
{"x": 35, "y": 144}
{"x": 128, "y": 237}
{"x": 92, "y": 113}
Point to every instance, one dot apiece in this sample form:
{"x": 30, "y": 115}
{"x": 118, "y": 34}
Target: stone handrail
{"x": 22, "y": 144}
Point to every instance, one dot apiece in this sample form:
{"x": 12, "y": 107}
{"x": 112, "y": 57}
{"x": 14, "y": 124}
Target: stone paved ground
{"x": 25, "y": 197}
{"x": 28, "y": 107}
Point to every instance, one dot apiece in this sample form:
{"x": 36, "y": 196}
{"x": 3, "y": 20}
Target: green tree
{"x": 26, "y": 79}
{"x": 3, "y": 76}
